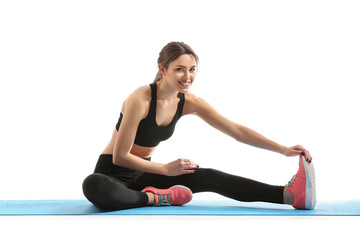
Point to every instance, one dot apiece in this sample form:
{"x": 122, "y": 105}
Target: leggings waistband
{"x": 110, "y": 156}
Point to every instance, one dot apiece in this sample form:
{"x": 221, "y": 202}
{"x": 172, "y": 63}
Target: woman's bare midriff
{"x": 140, "y": 151}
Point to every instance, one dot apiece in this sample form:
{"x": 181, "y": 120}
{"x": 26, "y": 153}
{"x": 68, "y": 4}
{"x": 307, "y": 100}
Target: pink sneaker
{"x": 302, "y": 186}
{"x": 176, "y": 195}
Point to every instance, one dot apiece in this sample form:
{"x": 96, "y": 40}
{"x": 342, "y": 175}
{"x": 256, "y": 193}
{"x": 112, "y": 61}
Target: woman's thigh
{"x": 199, "y": 181}
{"x": 212, "y": 180}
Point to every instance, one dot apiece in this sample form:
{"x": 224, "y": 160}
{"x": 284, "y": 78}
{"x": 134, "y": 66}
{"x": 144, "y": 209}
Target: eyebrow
{"x": 185, "y": 66}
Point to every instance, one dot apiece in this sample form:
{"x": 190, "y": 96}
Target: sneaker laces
{"x": 291, "y": 181}
{"x": 164, "y": 199}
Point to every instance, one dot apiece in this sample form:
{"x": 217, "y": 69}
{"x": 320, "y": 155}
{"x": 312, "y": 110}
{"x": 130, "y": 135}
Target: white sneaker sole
{"x": 310, "y": 189}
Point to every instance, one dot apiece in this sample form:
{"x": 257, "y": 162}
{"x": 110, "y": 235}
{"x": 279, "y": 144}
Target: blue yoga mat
{"x": 195, "y": 207}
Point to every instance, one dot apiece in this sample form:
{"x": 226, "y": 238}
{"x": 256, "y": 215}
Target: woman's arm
{"x": 204, "y": 110}
{"x": 135, "y": 109}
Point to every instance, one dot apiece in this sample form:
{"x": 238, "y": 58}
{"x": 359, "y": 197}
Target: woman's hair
{"x": 172, "y": 51}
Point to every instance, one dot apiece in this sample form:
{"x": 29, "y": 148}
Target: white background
{"x": 287, "y": 69}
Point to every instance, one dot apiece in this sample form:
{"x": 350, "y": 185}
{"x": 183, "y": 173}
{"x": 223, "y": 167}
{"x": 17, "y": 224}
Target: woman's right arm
{"x": 135, "y": 109}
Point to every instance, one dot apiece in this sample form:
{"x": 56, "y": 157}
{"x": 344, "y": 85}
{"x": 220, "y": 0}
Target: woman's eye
{"x": 181, "y": 69}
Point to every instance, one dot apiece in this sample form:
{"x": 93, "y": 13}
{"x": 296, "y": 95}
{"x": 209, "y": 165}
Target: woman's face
{"x": 181, "y": 73}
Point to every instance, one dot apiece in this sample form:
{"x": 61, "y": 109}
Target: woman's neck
{"x": 165, "y": 92}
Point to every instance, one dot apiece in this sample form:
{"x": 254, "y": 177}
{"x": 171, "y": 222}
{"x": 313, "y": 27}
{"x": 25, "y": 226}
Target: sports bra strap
{"x": 152, "y": 109}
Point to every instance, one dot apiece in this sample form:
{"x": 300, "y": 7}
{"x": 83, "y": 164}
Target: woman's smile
{"x": 184, "y": 84}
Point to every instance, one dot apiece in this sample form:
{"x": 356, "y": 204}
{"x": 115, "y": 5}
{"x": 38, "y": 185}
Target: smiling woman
{"x": 181, "y": 71}
{"x": 171, "y": 52}
{"x": 148, "y": 116}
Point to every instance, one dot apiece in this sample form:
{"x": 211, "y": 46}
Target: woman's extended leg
{"x": 211, "y": 180}
{"x": 300, "y": 191}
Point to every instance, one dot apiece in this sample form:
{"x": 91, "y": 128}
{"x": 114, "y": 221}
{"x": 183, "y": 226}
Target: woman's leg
{"x": 211, "y": 180}
{"x": 110, "y": 194}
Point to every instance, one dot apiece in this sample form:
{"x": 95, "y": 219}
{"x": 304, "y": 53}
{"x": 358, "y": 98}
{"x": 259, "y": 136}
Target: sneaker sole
{"x": 310, "y": 189}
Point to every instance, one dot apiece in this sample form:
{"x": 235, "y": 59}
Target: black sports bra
{"x": 149, "y": 134}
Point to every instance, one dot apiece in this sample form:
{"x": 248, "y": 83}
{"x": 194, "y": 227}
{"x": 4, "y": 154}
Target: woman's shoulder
{"x": 141, "y": 94}
{"x": 192, "y": 98}
{"x": 193, "y": 103}
{"x": 140, "y": 97}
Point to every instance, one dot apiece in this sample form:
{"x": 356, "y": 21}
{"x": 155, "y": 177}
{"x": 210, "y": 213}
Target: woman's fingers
{"x": 191, "y": 166}
{"x": 296, "y": 153}
{"x": 189, "y": 171}
{"x": 304, "y": 152}
{"x": 298, "y": 150}
{"x": 307, "y": 156}
{"x": 188, "y": 164}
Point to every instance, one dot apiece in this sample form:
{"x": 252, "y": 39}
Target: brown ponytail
{"x": 172, "y": 51}
{"x": 158, "y": 77}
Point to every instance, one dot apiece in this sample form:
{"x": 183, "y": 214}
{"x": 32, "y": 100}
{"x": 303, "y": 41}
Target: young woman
{"x": 124, "y": 172}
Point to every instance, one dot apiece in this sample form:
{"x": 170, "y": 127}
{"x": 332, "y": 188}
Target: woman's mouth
{"x": 184, "y": 84}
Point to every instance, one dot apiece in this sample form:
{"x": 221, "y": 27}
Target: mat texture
{"x": 195, "y": 207}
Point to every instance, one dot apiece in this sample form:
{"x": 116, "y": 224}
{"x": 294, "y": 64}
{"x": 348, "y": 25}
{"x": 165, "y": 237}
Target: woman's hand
{"x": 297, "y": 150}
{"x": 179, "y": 167}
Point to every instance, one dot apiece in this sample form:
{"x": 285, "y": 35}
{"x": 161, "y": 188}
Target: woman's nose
{"x": 187, "y": 75}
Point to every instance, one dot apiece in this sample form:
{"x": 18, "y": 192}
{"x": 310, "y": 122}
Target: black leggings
{"x": 113, "y": 188}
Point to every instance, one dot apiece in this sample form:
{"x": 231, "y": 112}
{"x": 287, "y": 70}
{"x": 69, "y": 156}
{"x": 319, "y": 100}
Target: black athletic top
{"x": 149, "y": 134}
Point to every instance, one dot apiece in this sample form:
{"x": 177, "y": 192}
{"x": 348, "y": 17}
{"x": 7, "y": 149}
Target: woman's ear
{"x": 161, "y": 69}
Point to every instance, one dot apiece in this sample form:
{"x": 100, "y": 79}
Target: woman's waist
{"x": 137, "y": 150}
{"x": 105, "y": 165}
{"x": 141, "y": 151}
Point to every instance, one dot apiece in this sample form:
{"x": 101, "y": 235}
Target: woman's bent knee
{"x": 94, "y": 188}
{"x": 107, "y": 193}
{"x": 92, "y": 183}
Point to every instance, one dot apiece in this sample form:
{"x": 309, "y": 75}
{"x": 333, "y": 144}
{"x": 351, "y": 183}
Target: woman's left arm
{"x": 197, "y": 106}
